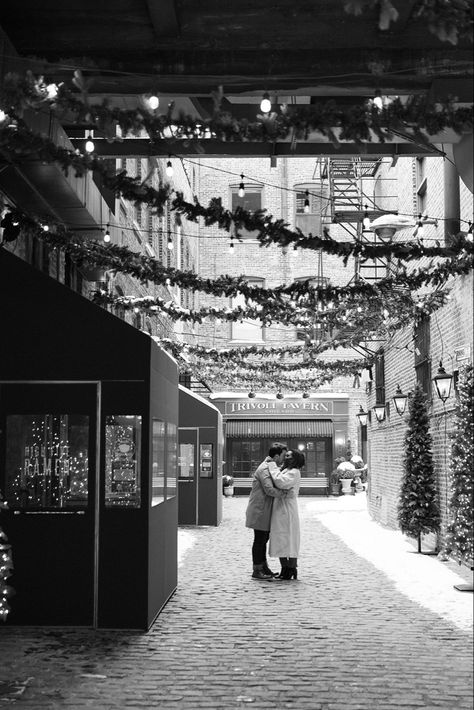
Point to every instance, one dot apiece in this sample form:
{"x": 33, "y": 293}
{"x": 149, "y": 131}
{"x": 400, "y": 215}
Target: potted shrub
{"x": 228, "y": 485}
{"x": 335, "y": 486}
{"x": 346, "y": 471}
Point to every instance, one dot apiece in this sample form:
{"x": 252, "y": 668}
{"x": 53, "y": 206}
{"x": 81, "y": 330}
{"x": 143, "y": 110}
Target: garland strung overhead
{"x": 145, "y": 268}
{"x": 419, "y": 116}
{"x": 359, "y": 314}
{"x": 18, "y": 143}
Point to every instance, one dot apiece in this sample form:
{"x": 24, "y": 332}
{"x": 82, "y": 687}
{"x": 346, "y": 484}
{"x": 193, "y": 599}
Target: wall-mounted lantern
{"x": 400, "y": 401}
{"x": 362, "y": 416}
{"x": 379, "y": 411}
{"x": 443, "y": 382}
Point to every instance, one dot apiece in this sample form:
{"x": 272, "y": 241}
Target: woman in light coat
{"x": 285, "y": 521}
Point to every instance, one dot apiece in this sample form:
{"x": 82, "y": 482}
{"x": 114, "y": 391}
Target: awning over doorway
{"x": 309, "y": 428}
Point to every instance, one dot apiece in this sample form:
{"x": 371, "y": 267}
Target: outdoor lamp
{"x": 279, "y": 395}
{"x": 379, "y": 411}
{"x": 400, "y": 401}
{"x": 251, "y": 395}
{"x": 443, "y": 383}
{"x": 362, "y": 416}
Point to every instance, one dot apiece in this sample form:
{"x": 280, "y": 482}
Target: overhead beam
{"x": 209, "y": 148}
{"x": 163, "y": 17}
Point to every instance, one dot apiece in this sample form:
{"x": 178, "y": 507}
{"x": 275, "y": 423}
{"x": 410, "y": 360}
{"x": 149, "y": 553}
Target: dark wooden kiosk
{"x": 200, "y": 441}
{"x": 88, "y": 458}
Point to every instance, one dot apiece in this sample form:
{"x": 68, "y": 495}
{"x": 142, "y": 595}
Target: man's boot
{"x": 267, "y": 569}
{"x": 260, "y": 573}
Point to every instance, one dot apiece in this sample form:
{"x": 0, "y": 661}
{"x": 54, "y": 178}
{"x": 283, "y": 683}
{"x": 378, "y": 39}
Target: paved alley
{"x": 369, "y": 624}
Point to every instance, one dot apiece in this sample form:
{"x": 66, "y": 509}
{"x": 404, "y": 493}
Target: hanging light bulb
{"x": 45, "y": 227}
{"x": 378, "y": 101}
{"x": 3, "y": 116}
{"x": 366, "y": 220}
{"x": 107, "y": 234}
{"x": 306, "y": 202}
{"x": 231, "y": 244}
{"x": 469, "y": 232}
{"x": 420, "y": 232}
{"x": 241, "y": 186}
{"x": 265, "y": 103}
{"x": 153, "y": 102}
{"x": 169, "y": 168}
{"x": 89, "y": 146}
{"x": 170, "y": 244}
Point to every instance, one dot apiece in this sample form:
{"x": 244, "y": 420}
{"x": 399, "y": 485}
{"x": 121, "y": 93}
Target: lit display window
{"x": 122, "y": 460}
{"x": 47, "y": 460}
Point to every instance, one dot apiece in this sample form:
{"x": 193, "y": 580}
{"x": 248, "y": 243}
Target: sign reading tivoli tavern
{"x": 279, "y": 407}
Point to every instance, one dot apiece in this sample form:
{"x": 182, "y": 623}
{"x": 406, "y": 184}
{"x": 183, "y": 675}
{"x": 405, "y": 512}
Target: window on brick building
{"x": 251, "y": 201}
{"x": 248, "y": 331}
{"x": 421, "y": 185}
{"x": 422, "y": 355}
{"x": 380, "y": 378}
{"x": 310, "y": 207}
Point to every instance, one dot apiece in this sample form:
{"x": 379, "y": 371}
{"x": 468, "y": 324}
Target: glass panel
{"x": 47, "y": 460}
{"x": 122, "y": 460}
{"x": 172, "y": 463}
{"x": 186, "y": 461}
{"x": 158, "y": 463}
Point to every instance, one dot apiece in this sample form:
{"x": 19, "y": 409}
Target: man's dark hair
{"x": 276, "y": 449}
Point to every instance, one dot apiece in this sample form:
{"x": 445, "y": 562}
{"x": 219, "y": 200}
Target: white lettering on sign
{"x": 278, "y": 407}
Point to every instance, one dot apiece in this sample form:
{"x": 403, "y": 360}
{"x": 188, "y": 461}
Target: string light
{"x": 241, "y": 192}
{"x": 366, "y": 220}
{"x": 169, "y": 168}
{"x": 231, "y": 244}
{"x": 107, "y": 234}
{"x": 153, "y": 102}
{"x": 89, "y": 145}
{"x": 265, "y": 103}
{"x": 420, "y": 230}
{"x": 170, "y": 244}
{"x": 306, "y": 202}
{"x": 469, "y": 232}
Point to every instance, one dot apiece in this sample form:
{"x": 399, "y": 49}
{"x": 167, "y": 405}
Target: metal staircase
{"x": 349, "y": 206}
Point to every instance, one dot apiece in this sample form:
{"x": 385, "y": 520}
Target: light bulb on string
{"x": 378, "y": 101}
{"x": 420, "y": 232}
{"x": 242, "y": 186}
{"x": 366, "y": 220}
{"x": 107, "y": 234}
{"x": 231, "y": 244}
{"x": 169, "y": 167}
{"x": 45, "y": 227}
{"x": 170, "y": 244}
{"x": 306, "y": 202}
{"x": 89, "y": 145}
{"x": 153, "y": 102}
{"x": 265, "y": 103}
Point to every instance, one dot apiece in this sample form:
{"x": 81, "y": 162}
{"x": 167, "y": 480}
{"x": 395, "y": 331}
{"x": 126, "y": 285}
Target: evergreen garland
{"x": 459, "y": 540}
{"x": 418, "y": 506}
{"x": 6, "y": 568}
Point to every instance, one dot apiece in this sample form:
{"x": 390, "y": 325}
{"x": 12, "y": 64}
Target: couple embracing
{"x": 272, "y": 512}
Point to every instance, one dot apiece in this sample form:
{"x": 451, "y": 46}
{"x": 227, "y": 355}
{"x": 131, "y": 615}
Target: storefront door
{"x": 188, "y": 479}
{"x": 48, "y": 478}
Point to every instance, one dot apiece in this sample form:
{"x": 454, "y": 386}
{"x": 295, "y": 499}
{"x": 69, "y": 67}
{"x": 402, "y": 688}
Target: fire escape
{"x": 351, "y": 183}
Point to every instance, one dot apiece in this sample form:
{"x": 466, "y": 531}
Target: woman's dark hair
{"x": 297, "y": 458}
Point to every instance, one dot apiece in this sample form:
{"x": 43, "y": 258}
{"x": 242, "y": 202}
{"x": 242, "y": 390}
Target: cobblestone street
{"x": 369, "y": 624}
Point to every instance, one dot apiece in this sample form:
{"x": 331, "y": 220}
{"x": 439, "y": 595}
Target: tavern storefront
{"x": 317, "y": 426}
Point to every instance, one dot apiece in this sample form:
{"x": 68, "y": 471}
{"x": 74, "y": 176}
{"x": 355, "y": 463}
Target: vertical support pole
{"x": 95, "y": 617}
{"x": 452, "y": 205}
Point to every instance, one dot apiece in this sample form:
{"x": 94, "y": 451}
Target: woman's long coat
{"x": 285, "y": 521}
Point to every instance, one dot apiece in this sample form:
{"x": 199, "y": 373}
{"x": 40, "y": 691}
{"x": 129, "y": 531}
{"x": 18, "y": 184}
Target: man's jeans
{"x": 259, "y": 551}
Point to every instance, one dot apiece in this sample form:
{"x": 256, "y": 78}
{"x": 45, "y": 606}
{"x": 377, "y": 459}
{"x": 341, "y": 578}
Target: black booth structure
{"x": 200, "y": 448}
{"x": 88, "y": 458}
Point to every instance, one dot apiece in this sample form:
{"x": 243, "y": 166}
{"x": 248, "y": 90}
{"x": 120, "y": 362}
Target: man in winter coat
{"x": 259, "y": 509}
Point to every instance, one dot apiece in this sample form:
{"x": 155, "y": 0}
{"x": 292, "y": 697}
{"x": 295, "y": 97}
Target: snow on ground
{"x": 424, "y": 579}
